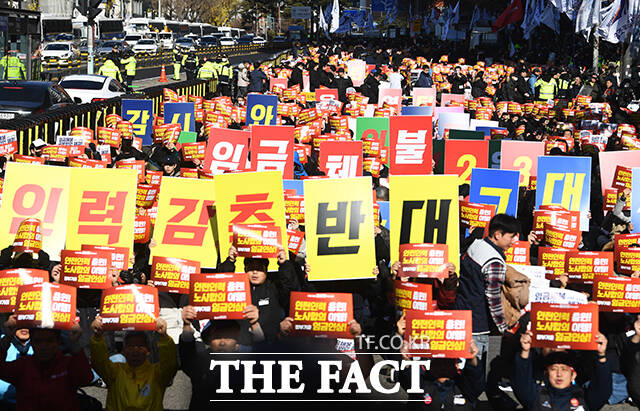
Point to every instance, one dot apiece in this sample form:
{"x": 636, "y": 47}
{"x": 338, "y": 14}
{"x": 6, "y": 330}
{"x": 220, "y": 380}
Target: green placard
{"x": 495, "y": 149}
{"x": 438, "y": 155}
{"x": 376, "y": 127}
{"x": 187, "y": 137}
{"x": 465, "y": 135}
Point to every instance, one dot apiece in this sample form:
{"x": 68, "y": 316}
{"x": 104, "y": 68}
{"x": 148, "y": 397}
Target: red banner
{"x": 19, "y": 158}
{"x": 138, "y": 165}
{"x": 617, "y": 294}
{"x": 588, "y": 265}
{"x": 572, "y": 327}
{"x": 119, "y": 255}
{"x": 86, "y": 269}
{"x": 257, "y": 240}
{"x": 553, "y": 259}
{"x": 561, "y": 238}
{"x": 272, "y": 149}
{"x": 146, "y": 195}
{"x": 295, "y": 240}
{"x": 424, "y": 260}
{"x": 220, "y": 296}
{"x": 519, "y": 253}
{"x": 476, "y": 215}
{"x": 171, "y": 275}
{"x": 129, "y": 307}
{"x": 191, "y": 151}
{"x": 439, "y": 334}
{"x": 11, "y": 279}
{"x": 45, "y": 305}
{"x": 411, "y": 144}
{"x": 413, "y": 296}
{"x": 321, "y": 314}
{"x": 341, "y": 159}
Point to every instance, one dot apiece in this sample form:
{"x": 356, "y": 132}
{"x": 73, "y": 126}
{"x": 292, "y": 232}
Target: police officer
{"x": 191, "y": 63}
{"x": 129, "y": 64}
{"x": 225, "y": 74}
{"x": 11, "y": 68}
{"x": 546, "y": 87}
{"x": 207, "y": 71}
{"x": 177, "y": 61}
{"x": 110, "y": 69}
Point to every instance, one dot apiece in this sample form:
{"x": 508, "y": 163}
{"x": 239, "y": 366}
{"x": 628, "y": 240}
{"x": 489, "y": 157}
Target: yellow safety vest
{"x": 129, "y": 65}
{"x": 547, "y": 89}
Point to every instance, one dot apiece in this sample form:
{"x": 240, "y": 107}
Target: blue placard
{"x": 417, "y": 110}
{"x": 495, "y": 187}
{"x": 635, "y": 200}
{"x": 565, "y": 181}
{"x": 385, "y": 214}
{"x": 262, "y": 110}
{"x": 294, "y": 185}
{"x": 140, "y": 114}
{"x": 182, "y": 113}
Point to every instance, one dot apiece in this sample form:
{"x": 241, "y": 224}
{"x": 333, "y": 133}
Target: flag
{"x": 551, "y": 18}
{"x": 475, "y": 17}
{"x": 369, "y": 24}
{"x": 335, "y": 16}
{"x": 512, "y": 13}
{"x": 322, "y": 23}
{"x": 588, "y": 16}
{"x": 455, "y": 16}
{"x": 616, "y": 22}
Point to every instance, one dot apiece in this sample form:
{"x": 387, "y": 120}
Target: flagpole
{"x": 596, "y": 48}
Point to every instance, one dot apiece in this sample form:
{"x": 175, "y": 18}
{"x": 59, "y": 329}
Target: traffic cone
{"x": 163, "y": 76}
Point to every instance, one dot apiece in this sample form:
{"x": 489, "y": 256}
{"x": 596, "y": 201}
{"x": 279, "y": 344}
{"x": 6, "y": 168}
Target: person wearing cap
{"x": 11, "y": 68}
{"x": 48, "y": 379}
{"x": 35, "y": 148}
{"x": 135, "y": 384}
{"x": 190, "y": 62}
{"x": 559, "y": 390}
{"x": 225, "y": 74}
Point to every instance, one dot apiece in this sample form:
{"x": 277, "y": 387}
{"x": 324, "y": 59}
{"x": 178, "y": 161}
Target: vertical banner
{"x": 272, "y": 149}
{"x": 341, "y": 159}
{"x": 495, "y": 187}
{"x": 462, "y": 156}
{"x": 140, "y": 114}
{"x": 38, "y": 191}
{"x": 374, "y": 128}
{"x": 102, "y": 205}
{"x": 226, "y": 150}
{"x": 261, "y": 110}
{"x": 571, "y": 327}
{"x": 248, "y": 198}
{"x": 428, "y": 215}
{"x": 565, "y": 181}
{"x": 180, "y": 113}
{"x": 185, "y": 219}
{"x": 521, "y": 156}
{"x": 321, "y": 315}
{"x": 222, "y": 296}
{"x": 339, "y": 228}
{"x": 411, "y": 145}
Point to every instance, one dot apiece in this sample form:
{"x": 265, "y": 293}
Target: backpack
{"x": 87, "y": 402}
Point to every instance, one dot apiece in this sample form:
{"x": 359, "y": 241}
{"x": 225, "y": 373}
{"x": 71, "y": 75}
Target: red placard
{"x": 588, "y": 265}
{"x": 220, "y": 296}
{"x": 461, "y": 156}
{"x": 8, "y": 142}
{"x": 556, "y": 216}
{"x": 617, "y": 294}
{"x": 424, "y": 260}
{"x": 79, "y": 162}
{"x": 518, "y": 253}
{"x": 391, "y": 97}
{"x": 324, "y": 315}
{"x": 11, "y": 279}
{"x": 171, "y": 275}
{"x": 279, "y": 82}
{"x": 257, "y": 240}
{"x": 109, "y": 136}
{"x": 572, "y": 327}
{"x": 411, "y": 145}
{"x": 341, "y": 159}
{"x": 413, "y": 296}
{"x": 146, "y": 195}
{"x": 86, "y": 269}
{"x": 55, "y": 153}
{"x": 611, "y": 196}
{"x": 189, "y": 172}
{"x": 325, "y": 94}
{"x": 137, "y": 165}
{"x": 561, "y": 238}
{"x": 191, "y": 151}
{"x": 19, "y": 158}
{"x": 28, "y": 238}
{"x": 476, "y": 215}
{"x": 439, "y": 334}
{"x": 129, "y": 307}
{"x": 294, "y": 207}
{"x": 628, "y": 259}
{"x": 622, "y": 178}
{"x": 553, "y": 259}
{"x": 272, "y": 149}
{"x": 153, "y": 178}
{"x": 45, "y": 305}
{"x": 141, "y": 229}
{"x": 119, "y": 255}
{"x": 295, "y": 240}
{"x": 372, "y": 165}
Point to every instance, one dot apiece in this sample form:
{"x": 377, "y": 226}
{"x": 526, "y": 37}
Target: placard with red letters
{"x": 45, "y": 305}
{"x": 391, "y": 97}
{"x": 611, "y": 197}
{"x": 588, "y": 265}
{"x": 272, "y": 149}
{"x": 413, "y": 296}
{"x": 129, "y": 307}
{"x": 572, "y": 327}
{"x": 119, "y": 255}
{"x": 519, "y": 253}
{"x": 323, "y": 315}
{"x": 171, "y": 275}
{"x": 461, "y": 156}
{"x": 424, "y": 260}
{"x": 521, "y": 156}
{"x": 439, "y": 334}
{"x": 341, "y": 159}
{"x": 411, "y": 144}
{"x": 221, "y": 296}
{"x": 86, "y": 269}
{"x": 257, "y": 240}
{"x": 553, "y": 259}
{"x": 12, "y": 279}
{"x": 617, "y": 294}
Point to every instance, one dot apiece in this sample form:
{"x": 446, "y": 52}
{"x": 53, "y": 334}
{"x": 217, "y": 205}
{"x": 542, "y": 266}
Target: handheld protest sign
{"x": 226, "y": 150}
{"x": 462, "y": 156}
{"x": 12, "y": 279}
{"x": 559, "y": 237}
{"x": 610, "y": 160}
{"x": 635, "y": 200}
{"x": 185, "y": 219}
{"x": 28, "y": 237}
{"x": 411, "y": 145}
{"x": 495, "y": 187}
{"x": 587, "y": 266}
{"x": 322, "y": 315}
{"x": 119, "y": 255}
{"x": 257, "y": 240}
{"x": 141, "y": 229}
{"x": 572, "y": 327}
{"x": 294, "y": 207}
{"x": 357, "y": 71}
{"x": 628, "y": 259}
{"x": 519, "y": 253}
{"x": 476, "y": 215}
{"x": 429, "y": 215}
{"x": 373, "y": 128}
{"x": 553, "y": 260}
{"x": 295, "y": 240}
{"x": 423, "y": 96}
{"x": 140, "y": 114}
{"x": 45, "y": 305}
{"x": 86, "y": 269}
{"x": 194, "y": 151}
{"x": 172, "y": 275}
{"x": 221, "y": 296}
{"x": 341, "y": 159}
{"x": 413, "y": 296}
{"x": 323, "y": 95}
{"x": 565, "y": 181}
{"x": 424, "y": 260}
{"x": 391, "y": 97}
{"x": 8, "y": 142}
{"x": 278, "y": 82}
{"x": 272, "y": 149}
{"x": 439, "y": 334}
{"x": 261, "y": 110}
{"x": 180, "y": 113}
{"x": 129, "y": 307}
{"x": 556, "y": 216}
{"x": 617, "y": 294}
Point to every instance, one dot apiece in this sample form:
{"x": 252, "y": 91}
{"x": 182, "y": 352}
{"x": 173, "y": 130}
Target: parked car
{"x": 259, "y": 41}
{"x": 132, "y": 39}
{"x": 21, "y": 98}
{"x": 62, "y": 50}
{"x": 165, "y": 40}
{"x": 208, "y": 41}
{"x": 279, "y": 39}
{"x": 227, "y": 41}
{"x": 248, "y": 39}
{"x": 185, "y": 42}
{"x": 91, "y": 87}
{"x": 146, "y": 46}
{"x": 195, "y": 38}
{"x": 107, "y": 46}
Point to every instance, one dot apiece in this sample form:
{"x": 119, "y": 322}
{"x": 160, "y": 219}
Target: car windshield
{"x": 147, "y": 42}
{"x": 133, "y": 38}
{"x": 22, "y": 95}
{"x": 110, "y": 44}
{"x": 57, "y": 47}
{"x": 82, "y": 84}
{"x": 164, "y": 36}
{"x": 185, "y": 40}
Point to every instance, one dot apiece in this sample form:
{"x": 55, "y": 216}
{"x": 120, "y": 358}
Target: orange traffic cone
{"x": 163, "y": 76}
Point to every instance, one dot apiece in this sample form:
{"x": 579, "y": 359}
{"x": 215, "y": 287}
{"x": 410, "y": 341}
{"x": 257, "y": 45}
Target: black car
{"x": 248, "y": 39}
{"x": 208, "y": 41}
{"x": 20, "y": 98}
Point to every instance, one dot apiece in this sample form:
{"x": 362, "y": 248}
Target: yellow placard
{"x": 185, "y": 220}
{"x": 248, "y": 198}
{"x": 102, "y": 204}
{"x": 425, "y": 209}
{"x": 39, "y": 191}
{"x": 339, "y": 228}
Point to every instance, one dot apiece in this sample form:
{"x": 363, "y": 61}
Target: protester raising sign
{"x": 172, "y": 275}
{"x": 572, "y": 327}
{"x": 321, "y": 314}
{"x": 221, "y": 296}
{"x": 12, "y": 279}
{"x": 439, "y": 334}
{"x": 86, "y": 269}
{"x": 617, "y": 294}
{"x": 424, "y": 260}
{"x": 129, "y": 307}
{"x": 413, "y": 296}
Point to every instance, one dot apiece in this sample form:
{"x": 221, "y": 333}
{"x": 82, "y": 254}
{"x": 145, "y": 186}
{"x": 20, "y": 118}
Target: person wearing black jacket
{"x": 342, "y": 83}
{"x": 296, "y": 75}
{"x": 128, "y": 151}
{"x": 370, "y": 87}
{"x": 478, "y": 85}
{"x": 458, "y": 81}
{"x": 257, "y": 80}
